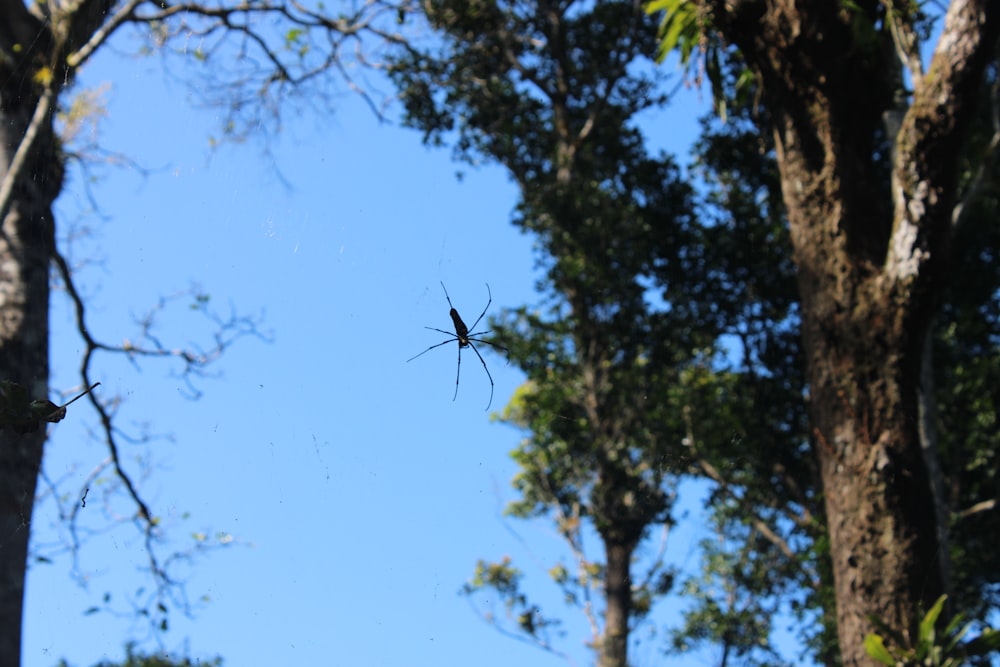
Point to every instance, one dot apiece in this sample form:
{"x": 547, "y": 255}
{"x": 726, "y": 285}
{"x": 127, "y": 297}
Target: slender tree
{"x": 619, "y": 357}
{"x": 269, "y": 49}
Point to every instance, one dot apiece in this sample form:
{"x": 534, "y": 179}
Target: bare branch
{"x": 273, "y": 50}
{"x": 101, "y": 35}
{"x": 982, "y": 506}
{"x": 41, "y": 115}
{"x": 194, "y": 363}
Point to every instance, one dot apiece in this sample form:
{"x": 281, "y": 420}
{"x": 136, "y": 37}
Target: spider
{"x": 465, "y": 339}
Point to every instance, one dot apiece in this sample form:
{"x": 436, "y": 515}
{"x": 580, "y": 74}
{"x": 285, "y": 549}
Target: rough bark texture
{"x": 26, "y": 243}
{"x": 618, "y": 596}
{"x": 871, "y": 253}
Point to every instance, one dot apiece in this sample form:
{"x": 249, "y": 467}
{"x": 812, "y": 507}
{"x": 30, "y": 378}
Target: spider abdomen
{"x": 461, "y": 330}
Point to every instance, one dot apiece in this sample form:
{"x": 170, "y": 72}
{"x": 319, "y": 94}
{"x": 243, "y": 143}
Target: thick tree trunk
{"x": 880, "y": 510}
{"x": 26, "y": 244}
{"x": 863, "y": 337}
{"x": 24, "y": 302}
{"x": 871, "y": 252}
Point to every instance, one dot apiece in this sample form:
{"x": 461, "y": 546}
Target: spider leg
{"x": 484, "y": 368}
{"x": 446, "y": 333}
{"x": 497, "y": 346}
{"x": 458, "y": 371}
{"x": 484, "y": 309}
{"x": 452, "y": 340}
{"x": 446, "y": 296}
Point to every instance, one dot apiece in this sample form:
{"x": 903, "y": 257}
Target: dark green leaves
{"x": 944, "y": 649}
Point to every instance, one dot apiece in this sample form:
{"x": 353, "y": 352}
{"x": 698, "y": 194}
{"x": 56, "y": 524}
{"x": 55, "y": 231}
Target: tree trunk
{"x": 26, "y": 244}
{"x": 871, "y": 251}
{"x": 881, "y": 517}
{"x": 618, "y": 597}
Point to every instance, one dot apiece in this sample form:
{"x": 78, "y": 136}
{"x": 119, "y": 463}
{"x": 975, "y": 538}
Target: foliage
{"x": 548, "y": 93}
{"x": 731, "y": 604}
{"x": 880, "y": 39}
{"x": 680, "y": 29}
{"x": 628, "y": 388}
{"x": 505, "y": 580}
{"x": 751, "y": 236}
{"x": 137, "y": 659}
{"x": 685, "y": 30}
{"x": 932, "y": 649}
{"x": 966, "y": 373}
{"x": 747, "y": 420}
{"x": 658, "y": 282}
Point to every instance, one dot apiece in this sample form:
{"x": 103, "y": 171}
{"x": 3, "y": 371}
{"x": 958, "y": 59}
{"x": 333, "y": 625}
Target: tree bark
{"x": 618, "y": 597}
{"x": 871, "y": 253}
{"x": 26, "y": 245}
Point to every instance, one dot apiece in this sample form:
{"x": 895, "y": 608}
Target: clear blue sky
{"x": 359, "y": 494}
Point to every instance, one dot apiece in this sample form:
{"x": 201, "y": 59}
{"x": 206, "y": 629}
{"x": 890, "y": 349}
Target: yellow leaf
{"x": 43, "y": 76}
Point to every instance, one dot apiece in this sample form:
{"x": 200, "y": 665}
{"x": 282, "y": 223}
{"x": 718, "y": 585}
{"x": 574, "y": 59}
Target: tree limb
{"x": 899, "y": 16}
{"x": 982, "y": 506}
{"x": 930, "y": 136}
{"x": 101, "y": 35}
{"x": 42, "y": 114}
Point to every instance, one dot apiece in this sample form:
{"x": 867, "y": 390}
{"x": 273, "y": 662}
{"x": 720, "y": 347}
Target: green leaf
{"x": 875, "y": 648}
{"x": 888, "y": 631}
{"x": 955, "y": 637}
{"x": 929, "y": 621}
{"x": 987, "y": 642}
{"x": 679, "y": 28}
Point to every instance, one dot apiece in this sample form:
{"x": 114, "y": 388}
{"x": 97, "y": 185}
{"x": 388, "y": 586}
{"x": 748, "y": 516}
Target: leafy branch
{"x": 525, "y": 621}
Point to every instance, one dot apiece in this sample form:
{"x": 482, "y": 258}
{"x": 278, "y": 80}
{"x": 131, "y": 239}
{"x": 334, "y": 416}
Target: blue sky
{"x": 358, "y": 494}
